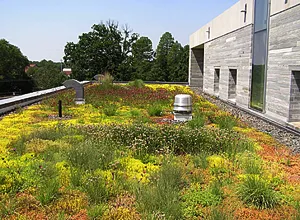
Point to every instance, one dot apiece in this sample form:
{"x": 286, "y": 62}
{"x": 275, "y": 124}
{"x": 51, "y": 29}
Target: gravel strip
{"x": 282, "y": 136}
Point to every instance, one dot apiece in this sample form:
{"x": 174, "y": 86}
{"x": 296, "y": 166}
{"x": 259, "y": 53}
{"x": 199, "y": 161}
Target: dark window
{"x": 216, "y": 81}
{"x": 295, "y": 97}
{"x": 285, "y": 1}
{"x": 232, "y": 83}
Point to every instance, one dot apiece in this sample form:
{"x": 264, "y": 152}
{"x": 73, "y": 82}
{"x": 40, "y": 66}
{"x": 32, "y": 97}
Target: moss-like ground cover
{"x": 117, "y": 158}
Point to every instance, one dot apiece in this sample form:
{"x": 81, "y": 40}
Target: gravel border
{"x": 282, "y": 136}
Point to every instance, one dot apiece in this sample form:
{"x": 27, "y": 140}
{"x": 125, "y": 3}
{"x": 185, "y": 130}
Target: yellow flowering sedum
{"x": 64, "y": 173}
{"x": 172, "y": 88}
{"x": 216, "y": 161}
{"x": 137, "y": 170}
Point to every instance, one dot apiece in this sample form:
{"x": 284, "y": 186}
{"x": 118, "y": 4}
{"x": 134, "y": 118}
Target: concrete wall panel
{"x": 225, "y": 54}
{"x": 284, "y": 51}
{"x": 196, "y": 67}
{"x": 280, "y": 5}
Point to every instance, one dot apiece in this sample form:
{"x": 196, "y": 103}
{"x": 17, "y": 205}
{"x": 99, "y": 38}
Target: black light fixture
{"x": 208, "y": 32}
{"x": 245, "y": 12}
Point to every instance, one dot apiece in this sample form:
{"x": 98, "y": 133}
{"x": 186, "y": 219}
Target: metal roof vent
{"x": 182, "y": 107}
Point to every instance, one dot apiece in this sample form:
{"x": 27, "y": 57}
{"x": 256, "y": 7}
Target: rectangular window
{"x": 216, "y": 81}
{"x": 259, "y": 59}
{"x": 261, "y": 15}
{"x": 295, "y": 97}
{"x": 258, "y": 70}
{"x": 232, "y": 84}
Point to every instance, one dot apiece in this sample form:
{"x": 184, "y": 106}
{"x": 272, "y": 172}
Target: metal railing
{"x": 12, "y": 103}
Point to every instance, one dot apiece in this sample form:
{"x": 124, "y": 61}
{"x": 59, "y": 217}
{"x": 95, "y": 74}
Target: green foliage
{"x": 107, "y": 81}
{"x": 297, "y": 215}
{"x": 61, "y": 216}
{"x": 7, "y": 206}
{"x": 91, "y": 154}
{"x": 171, "y": 61}
{"x": 177, "y": 61}
{"x": 19, "y": 145}
{"x": 253, "y": 166}
{"x": 12, "y": 69}
{"x": 219, "y": 215}
{"x": 135, "y": 113}
{"x": 48, "y": 191}
{"x": 200, "y": 161}
{"x": 96, "y": 211}
{"x": 152, "y": 171}
{"x": 163, "y": 49}
{"x": 142, "y": 58}
{"x": 110, "y": 110}
{"x": 96, "y": 189}
{"x": 46, "y": 75}
{"x": 76, "y": 177}
{"x": 216, "y": 189}
{"x": 142, "y": 119}
{"x": 126, "y": 56}
{"x": 54, "y": 133}
{"x": 225, "y": 121}
{"x": 195, "y": 196}
{"x": 155, "y": 110}
{"x": 182, "y": 75}
{"x": 107, "y": 45}
{"x": 162, "y": 195}
{"x": 138, "y": 83}
{"x": 167, "y": 138}
{"x": 197, "y": 122}
{"x": 256, "y": 191}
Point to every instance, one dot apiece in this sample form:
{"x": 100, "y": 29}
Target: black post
{"x": 59, "y": 108}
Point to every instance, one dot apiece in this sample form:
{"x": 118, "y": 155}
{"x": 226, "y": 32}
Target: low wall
{"x": 10, "y": 104}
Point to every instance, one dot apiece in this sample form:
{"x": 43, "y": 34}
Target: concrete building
{"x": 250, "y": 55}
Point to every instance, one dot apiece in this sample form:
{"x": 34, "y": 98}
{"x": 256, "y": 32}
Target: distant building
{"x": 250, "y": 56}
{"x": 67, "y": 71}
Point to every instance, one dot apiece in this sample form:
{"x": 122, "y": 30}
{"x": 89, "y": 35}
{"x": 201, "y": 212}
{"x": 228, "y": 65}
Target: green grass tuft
{"x": 155, "y": 110}
{"x": 138, "y": 83}
{"x": 163, "y": 194}
{"x": 258, "y": 192}
{"x": 110, "y": 110}
{"x": 197, "y": 122}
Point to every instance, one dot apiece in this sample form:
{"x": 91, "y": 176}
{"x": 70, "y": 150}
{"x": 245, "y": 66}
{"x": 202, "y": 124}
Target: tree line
{"x": 107, "y": 48}
{"x": 126, "y": 55}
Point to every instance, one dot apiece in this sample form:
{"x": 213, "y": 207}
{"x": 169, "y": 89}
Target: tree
{"x": 178, "y": 61}
{"x": 161, "y": 70}
{"x": 104, "y": 49}
{"x": 184, "y": 64}
{"x": 142, "y": 53}
{"x": 46, "y": 74}
{"x": 173, "y": 61}
{"x": 125, "y": 69}
{"x": 12, "y": 69}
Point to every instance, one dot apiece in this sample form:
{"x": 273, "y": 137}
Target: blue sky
{"x": 42, "y": 28}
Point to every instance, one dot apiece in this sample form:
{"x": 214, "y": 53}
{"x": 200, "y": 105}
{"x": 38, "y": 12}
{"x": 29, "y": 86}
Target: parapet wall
{"x": 229, "y": 21}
